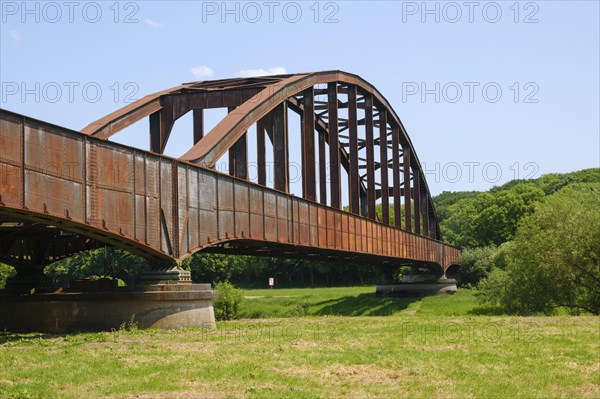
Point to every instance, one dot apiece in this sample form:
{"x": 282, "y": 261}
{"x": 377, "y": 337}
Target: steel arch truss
{"x": 350, "y": 125}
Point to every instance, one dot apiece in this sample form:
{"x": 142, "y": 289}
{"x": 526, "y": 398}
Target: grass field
{"x": 351, "y": 301}
{"x": 436, "y": 347}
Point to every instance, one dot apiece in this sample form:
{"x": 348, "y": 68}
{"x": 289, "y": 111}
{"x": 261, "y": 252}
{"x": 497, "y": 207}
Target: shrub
{"x": 6, "y": 271}
{"x": 478, "y": 263}
{"x": 475, "y": 264}
{"x": 228, "y": 300}
{"x": 554, "y": 260}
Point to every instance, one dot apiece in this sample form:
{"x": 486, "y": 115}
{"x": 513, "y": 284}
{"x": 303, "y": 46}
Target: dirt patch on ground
{"x": 342, "y": 373}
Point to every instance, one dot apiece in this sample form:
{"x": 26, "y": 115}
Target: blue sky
{"x": 527, "y": 72}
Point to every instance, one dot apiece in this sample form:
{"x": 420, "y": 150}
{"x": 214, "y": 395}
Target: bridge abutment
{"x": 416, "y": 285}
{"x": 165, "y": 297}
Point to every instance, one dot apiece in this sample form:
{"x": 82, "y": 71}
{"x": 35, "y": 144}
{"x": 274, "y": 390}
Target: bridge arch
{"x": 166, "y": 209}
{"x": 262, "y": 102}
{"x": 453, "y": 271}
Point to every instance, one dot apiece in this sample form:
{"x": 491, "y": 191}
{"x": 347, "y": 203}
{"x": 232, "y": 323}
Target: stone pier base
{"x": 417, "y": 289}
{"x": 170, "y": 306}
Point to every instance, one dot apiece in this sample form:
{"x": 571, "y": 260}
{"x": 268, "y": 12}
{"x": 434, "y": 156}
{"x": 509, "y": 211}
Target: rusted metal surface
{"x": 308, "y": 146}
{"x": 280, "y": 148}
{"x": 407, "y": 190}
{"x": 354, "y": 196}
{"x": 334, "y": 146}
{"x": 384, "y": 167}
{"x": 370, "y": 147}
{"x": 93, "y": 192}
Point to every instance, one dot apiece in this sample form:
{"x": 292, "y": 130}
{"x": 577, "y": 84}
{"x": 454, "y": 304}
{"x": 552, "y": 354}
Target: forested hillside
{"x": 475, "y": 219}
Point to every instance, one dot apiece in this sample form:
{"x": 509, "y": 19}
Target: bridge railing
{"x": 167, "y": 209}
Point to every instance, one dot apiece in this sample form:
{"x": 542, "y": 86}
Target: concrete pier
{"x": 169, "y": 306}
{"x": 417, "y": 287}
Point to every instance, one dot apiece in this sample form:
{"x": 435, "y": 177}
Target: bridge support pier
{"x": 29, "y": 279}
{"x": 166, "y": 274}
{"x": 419, "y": 282}
{"x": 387, "y": 274}
{"x": 165, "y": 297}
{"x": 417, "y": 285}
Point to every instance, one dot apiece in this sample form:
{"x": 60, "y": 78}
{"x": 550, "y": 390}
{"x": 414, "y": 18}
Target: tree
{"x": 228, "y": 300}
{"x": 471, "y": 219}
{"x": 101, "y": 262}
{"x": 554, "y": 260}
{"x": 489, "y": 218}
{"x": 206, "y": 267}
{"x": 443, "y": 201}
{"x": 6, "y": 271}
{"x": 477, "y": 263}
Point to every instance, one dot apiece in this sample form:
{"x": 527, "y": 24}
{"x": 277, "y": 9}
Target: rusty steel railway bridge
{"x": 63, "y": 191}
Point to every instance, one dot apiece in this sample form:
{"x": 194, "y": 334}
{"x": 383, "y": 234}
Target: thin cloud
{"x": 153, "y": 24}
{"x": 15, "y": 35}
{"x": 202, "y": 71}
{"x": 247, "y": 73}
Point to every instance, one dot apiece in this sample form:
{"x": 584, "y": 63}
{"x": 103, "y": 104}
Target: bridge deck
{"x": 166, "y": 209}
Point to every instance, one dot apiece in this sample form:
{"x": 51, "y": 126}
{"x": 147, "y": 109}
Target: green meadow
{"x": 319, "y": 343}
